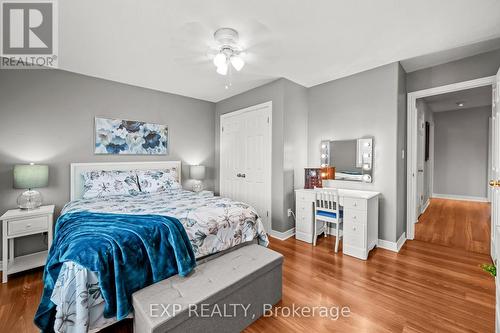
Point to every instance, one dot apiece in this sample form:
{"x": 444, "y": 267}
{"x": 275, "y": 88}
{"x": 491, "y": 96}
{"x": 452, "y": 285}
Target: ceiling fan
{"x": 230, "y": 52}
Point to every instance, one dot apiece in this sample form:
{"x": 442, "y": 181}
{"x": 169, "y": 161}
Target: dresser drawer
{"x": 36, "y": 223}
{"x": 354, "y": 235}
{"x": 354, "y": 216}
{"x": 305, "y": 196}
{"x": 355, "y": 203}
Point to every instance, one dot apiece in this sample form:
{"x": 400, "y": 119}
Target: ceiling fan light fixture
{"x": 220, "y": 60}
{"x": 222, "y": 69}
{"x": 237, "y": 62}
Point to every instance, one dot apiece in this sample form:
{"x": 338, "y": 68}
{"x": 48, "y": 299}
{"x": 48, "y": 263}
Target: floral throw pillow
{"x": 152, "y": 181}
{"x": 103, "y": 183}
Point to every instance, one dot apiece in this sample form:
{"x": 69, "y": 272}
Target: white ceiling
{"x": 162, "y": 44}
{"x": 472, "y": 98}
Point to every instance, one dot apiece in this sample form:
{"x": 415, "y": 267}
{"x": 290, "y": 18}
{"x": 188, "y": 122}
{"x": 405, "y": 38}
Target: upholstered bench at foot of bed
{"x": 225, "y": 294}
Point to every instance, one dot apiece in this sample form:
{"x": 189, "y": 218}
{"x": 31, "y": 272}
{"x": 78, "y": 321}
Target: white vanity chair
{"x": 327, "y": 210}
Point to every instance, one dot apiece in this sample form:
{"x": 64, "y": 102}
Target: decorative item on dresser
{"x": 20, "y": 223}
{"x": 30, "y": 176}
{"x": 197, "y": 172}
{"x": 314, "y": 176}
{"x": 360, "y": 220}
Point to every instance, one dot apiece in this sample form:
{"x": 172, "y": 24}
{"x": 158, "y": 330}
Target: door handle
{"x": 495, "y": 183}
{"x": 238, "y": 175}
{"x": 243, "y": 175}
{"x": 420, "y": 170}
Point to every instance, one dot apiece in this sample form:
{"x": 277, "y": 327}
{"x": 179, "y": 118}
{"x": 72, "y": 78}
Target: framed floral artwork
{"x": 127, "y": 137}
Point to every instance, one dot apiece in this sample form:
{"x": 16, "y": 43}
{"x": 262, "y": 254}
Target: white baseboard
{"x": 426, "y": 205}
{"x": 459, "y": 197}
{"x": 282, "y": 235}
{"x": 392, "y": 246}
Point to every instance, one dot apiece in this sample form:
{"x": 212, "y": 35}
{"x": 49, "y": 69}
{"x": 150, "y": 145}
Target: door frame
{"x": 412, "y": 139}
{"x": 265, "y": 105}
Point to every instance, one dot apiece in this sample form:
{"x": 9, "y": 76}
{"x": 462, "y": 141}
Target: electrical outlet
{"x": 289, "y": 212}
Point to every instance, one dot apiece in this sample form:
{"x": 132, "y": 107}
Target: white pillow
{"x": 152, "y": 181}
{"x": 103, "y": 183}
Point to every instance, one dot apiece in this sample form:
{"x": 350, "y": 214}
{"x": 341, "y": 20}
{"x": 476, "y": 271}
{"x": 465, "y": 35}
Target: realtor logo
{"x": 29, "y": 34}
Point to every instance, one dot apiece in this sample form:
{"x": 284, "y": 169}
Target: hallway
{"x": 459, "y": 224}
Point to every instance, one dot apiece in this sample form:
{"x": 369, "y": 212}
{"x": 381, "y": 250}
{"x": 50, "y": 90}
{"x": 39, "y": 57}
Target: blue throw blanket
{"x": 128, "y": 253}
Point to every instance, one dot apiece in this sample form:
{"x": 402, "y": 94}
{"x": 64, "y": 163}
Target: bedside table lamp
{"x": 197, "y": 172}
{"x": 30, "y": 176}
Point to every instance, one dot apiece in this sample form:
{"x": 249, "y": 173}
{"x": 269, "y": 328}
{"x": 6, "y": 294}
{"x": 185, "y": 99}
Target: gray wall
{"x": 400, "y": 159}
{"x": 461, "y": 152}
{"x": 470, "y": 68}
{"x": 295, "y": 119}
{"x": 365, "y": 104}
{"x": 47, "y": 116}
{"x": 288, "y": 140}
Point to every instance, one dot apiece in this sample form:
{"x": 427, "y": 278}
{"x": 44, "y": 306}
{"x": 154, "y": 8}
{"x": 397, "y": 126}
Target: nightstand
{"x": 19, "y": 223}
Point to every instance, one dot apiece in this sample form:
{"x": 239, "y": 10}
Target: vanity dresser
{"x": 360, "y": 225}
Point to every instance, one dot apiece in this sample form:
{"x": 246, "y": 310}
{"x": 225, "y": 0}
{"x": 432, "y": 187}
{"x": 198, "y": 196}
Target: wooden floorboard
{"x": 429, "y": 286}
{"x": 459, "y": 224}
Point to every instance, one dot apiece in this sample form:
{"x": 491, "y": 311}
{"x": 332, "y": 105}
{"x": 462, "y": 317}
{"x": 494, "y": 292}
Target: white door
{"x": 420, "y": 162}
{"x": 245, "y": 158}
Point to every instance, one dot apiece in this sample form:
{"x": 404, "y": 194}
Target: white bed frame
{"x": 76, "y": 180}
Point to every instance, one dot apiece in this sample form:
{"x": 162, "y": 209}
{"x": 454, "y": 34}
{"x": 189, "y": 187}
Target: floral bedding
{"x": 213, "y": 224}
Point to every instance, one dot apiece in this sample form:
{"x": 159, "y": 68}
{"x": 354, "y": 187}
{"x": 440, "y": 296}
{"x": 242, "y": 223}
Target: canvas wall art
{"x": 116, "y": 136}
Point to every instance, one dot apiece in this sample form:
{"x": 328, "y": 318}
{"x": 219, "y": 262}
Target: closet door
{"x": 245, "y": 158}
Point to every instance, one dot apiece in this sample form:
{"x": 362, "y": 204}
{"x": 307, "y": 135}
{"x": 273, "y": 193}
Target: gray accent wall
{"x": 47, "y": 116}
{"x": 289, "y": 137}
{"x": 475, "y": 67}
{"x": 461, "y": 152}
{"x": 366, "y": 104}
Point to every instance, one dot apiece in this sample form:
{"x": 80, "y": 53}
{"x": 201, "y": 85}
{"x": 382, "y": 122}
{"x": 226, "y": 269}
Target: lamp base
{"x": 197, "y": 186}
{"x": 29, "y": 200}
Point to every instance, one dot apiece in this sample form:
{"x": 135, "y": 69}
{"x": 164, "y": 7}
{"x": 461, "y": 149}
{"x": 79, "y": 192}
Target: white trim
{"x": 411, "y": 141}
{"x": 248, "y": 109}
{"x": 401, "y": 241}
{"x": 392, "y": 246}
{"x": 282, "y": 235}
{"x": 459, "y": 197}
{"x": 76, "y": 169}
{"x": 426, "y": 205}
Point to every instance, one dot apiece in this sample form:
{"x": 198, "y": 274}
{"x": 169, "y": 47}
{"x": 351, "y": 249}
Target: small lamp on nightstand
{"x": 30, "y": 176}
{"x": 197, "y": 172}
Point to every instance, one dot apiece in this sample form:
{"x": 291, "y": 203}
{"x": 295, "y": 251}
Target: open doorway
{"x": 453, "y": 168}
{"x": 448, "y": 158}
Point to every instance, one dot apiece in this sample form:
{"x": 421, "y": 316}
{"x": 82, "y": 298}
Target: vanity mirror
{"x": 352, "y": 159}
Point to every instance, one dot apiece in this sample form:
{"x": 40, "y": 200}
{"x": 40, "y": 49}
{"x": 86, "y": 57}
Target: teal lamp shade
{"x": 28, "y": 176}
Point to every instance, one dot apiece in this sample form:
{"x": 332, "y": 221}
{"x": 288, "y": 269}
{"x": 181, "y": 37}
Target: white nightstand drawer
{"x": 354, "y": 235}
{"x": 29, "y": 224}
{"x": 355, "y": 203}
{"x": 354, "y": 215}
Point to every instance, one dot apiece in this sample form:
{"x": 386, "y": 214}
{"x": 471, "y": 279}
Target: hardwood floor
{"x": 426, "y": 287}
{"x": 459, "y": 224}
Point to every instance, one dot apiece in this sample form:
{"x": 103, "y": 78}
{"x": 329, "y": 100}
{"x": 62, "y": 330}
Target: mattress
{"x": 213, "y": 224}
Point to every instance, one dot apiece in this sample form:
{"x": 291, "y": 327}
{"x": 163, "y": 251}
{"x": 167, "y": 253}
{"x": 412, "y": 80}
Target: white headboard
{"x": 76, "y": 181}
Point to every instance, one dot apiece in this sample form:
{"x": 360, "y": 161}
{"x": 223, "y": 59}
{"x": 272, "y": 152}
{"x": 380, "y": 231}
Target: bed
{"x": 213, "y": 224}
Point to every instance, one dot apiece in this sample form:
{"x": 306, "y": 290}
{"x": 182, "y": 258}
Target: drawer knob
{"x": 354, "y": 217}
{"x": 355, "y": 204}
{"x": 354, "y": 228}
{"x": 28, "y": 225}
